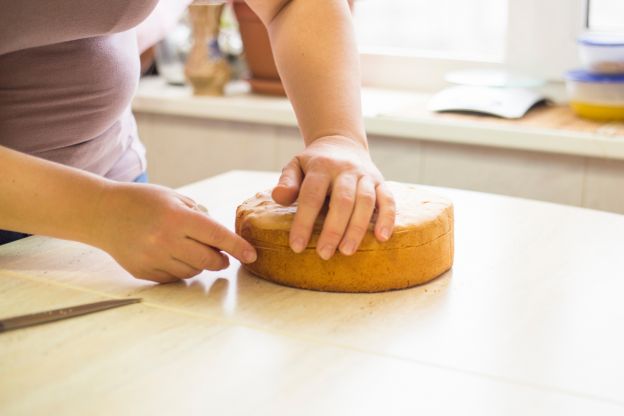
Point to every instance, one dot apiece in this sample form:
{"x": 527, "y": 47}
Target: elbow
{"x": 279, "y": 8}
{"x": 268, "y": 11}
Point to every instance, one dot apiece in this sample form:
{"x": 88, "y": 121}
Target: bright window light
{"x": 467, "y": 29}
{"x": 606, "y": 15}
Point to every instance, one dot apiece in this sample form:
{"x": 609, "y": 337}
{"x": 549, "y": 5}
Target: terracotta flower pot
{"x": 264, "y": 76}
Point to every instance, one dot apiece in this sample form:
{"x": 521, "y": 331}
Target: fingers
{"x": 287, "y": 189}
{"x": 192, "y": 258}
{"x": 351, "y": 207}
{"x": 341, "y": 206}
{"x": 386, "y": 213}
{"x": 209, "y": 232}
{"x": 200, "y": 256}
{"x": 362, "y": 213}
{"x": 311, "y": 199}
{"x": 158, "y": 276}
{"x": 180, "y": 270}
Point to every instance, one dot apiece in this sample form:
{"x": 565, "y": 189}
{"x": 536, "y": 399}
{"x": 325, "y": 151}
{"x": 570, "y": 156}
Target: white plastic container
{"x": 602, "y": 53}
{"x": 596, "y": 96}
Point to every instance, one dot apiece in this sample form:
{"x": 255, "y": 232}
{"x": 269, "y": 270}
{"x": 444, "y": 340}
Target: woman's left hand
{"x": 342, "y": 168}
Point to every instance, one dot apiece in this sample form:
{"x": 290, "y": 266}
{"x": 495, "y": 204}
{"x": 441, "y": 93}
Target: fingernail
{"x": 385, "y": 233}
{"x": 249, "y": 256}
{"x": 348, "y": 248}
{"x": 326, "y": 252}
{"x": 297, "y": 245}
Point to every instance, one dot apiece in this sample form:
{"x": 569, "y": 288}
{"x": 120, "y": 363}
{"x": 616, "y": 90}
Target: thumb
{"x": 287, "y": 189}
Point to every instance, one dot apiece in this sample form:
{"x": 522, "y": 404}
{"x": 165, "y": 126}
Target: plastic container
{"x": 602, "y": 53}
{"x": 596, "y": 96}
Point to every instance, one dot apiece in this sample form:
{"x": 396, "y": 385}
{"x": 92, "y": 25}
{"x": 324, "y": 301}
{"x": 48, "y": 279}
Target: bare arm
{"x": 153, "y": 232}
{"x": 40, "y": 197}
{"x": 316, "y": 55}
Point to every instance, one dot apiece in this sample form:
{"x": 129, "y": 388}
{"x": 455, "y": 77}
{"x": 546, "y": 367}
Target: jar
{"x": 596, "y": 96}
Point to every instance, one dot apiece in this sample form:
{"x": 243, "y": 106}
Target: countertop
{"x": 528, "y": 321}
{"x": 402, "y": 114}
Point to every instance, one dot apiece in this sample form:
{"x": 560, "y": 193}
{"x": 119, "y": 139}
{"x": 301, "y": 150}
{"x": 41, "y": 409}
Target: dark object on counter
{"x": 25, "y": 321}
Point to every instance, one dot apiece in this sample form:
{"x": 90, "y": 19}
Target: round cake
{"x": 420, "y": 249}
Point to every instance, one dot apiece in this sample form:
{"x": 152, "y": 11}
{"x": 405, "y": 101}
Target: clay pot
{"x": 264, "y": 76}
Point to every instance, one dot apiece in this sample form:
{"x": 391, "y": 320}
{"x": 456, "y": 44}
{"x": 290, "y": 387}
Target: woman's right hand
{"x": 157, "y": 234}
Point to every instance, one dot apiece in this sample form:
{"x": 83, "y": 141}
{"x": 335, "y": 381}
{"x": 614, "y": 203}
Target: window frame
{"x": 541, "y": 52}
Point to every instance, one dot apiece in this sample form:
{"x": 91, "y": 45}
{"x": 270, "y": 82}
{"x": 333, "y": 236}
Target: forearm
{"x": 315, "y": 51}
{"x": 41, "y": 197}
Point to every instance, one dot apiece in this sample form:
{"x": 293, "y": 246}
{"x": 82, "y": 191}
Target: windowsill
{"x": 401, "y": 114}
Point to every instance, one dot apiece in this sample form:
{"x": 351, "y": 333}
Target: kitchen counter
{"x": 402, "y": 114}
{"x": 550, "y": 155}
{"x": 528, "y": 321}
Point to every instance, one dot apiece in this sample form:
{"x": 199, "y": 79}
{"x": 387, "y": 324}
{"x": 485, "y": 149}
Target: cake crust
{"x": 420, "y": 249}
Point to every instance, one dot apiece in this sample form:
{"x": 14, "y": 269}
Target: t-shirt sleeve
{"x": 32, "y": 23}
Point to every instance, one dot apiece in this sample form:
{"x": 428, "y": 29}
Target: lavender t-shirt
{"x": 68, "y": 70}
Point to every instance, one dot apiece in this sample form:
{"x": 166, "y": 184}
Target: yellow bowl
{"x": 599, "y": 112}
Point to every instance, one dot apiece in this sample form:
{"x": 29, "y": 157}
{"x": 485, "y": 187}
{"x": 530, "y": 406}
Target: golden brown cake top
{"x": 417, "y": 208}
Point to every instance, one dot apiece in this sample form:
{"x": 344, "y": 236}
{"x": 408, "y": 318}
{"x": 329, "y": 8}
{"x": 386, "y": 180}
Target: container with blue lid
{"x": 580, "y": 75}
{"x": 601, "y": 39}
{"x": 602, "y": 52}
{"x": 596, "y": 96}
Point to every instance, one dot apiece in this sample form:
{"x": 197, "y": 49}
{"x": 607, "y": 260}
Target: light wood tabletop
{"x": 530, "y": 321}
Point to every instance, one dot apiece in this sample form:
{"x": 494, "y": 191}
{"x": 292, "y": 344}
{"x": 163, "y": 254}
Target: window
{"x": 473, "y": 29}
{"x": 605, "y": 15}
{"x": 413, "y": 43}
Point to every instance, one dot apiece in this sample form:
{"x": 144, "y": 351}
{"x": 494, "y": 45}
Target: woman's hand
{"x": 157, "y": 234}
{"x": 342, "y": 168}
{"x": 323, "y": 84}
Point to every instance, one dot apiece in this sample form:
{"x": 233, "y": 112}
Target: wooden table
{"x": 529, "y": 321}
